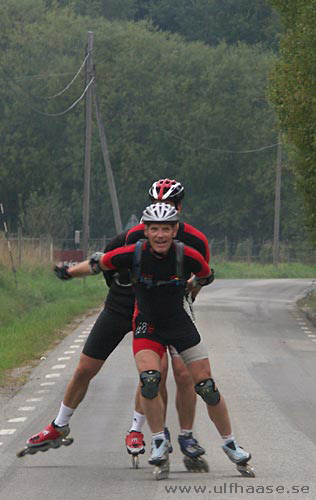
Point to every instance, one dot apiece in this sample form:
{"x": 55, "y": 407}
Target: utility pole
{"x": 107, "y": 162}
{"x": 87, "y": 151}
{"x": 277, "y": 203}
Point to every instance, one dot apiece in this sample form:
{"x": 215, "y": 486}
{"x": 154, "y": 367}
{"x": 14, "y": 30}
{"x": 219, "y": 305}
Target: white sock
{"x": 228, "y": 439}
{"x": 138, "y": 422}
{"x": 183, "y": 432}
{"x": 63, "y": 416}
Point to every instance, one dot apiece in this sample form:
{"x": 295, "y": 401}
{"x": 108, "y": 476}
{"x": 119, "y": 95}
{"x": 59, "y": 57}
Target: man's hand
{"x": 62, "y": 272}
{"x": 192, "y": 288}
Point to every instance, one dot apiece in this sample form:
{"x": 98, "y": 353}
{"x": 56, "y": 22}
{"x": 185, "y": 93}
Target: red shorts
{"x": 141, "y": 344}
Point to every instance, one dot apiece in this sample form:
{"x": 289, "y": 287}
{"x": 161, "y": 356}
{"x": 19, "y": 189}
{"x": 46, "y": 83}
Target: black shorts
{"x": 108, "y": 331}
{"x": 180, "y": 332}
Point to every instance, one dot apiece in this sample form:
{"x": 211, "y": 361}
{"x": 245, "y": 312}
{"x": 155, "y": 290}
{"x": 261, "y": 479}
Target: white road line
{"x": 64, "y": 358}
{"x": 82, "y": 336}
{"x": 7, "y": 432}
{"x": 26, "y": 408}
{"x": 18, "y": 419}
{"x": 47, "y": 383}
{"x": 313, "y": 340}
{"x": 304, "y": 328}
{"x": 79, "y": 340}
{"x": 42, "y": 391}
{"x": 74, "y": 346}
{"x": 69, "y": 352}
{"x": 52, "y": 375}
{"x": 311, "y": 336}
{"x": 1, "y": 444}
{"x": 58, "y": 367}
{"x": 33, "y": 400}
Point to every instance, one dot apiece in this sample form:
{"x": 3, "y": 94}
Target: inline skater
{"x": 161, "y": 319}
{"x": 172, "y": 192}
{"x": 111, "y": 326}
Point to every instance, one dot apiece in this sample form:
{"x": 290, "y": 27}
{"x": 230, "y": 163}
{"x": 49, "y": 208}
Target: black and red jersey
{"x": 188, "y": 234}
{"x": 120, "y": 297}
{"x": 158, "y": 304}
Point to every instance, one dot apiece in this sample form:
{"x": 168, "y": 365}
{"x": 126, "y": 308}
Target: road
{"x": 263, "y": 357}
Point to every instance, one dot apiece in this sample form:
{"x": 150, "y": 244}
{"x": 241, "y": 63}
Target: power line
{"x": 67, "y": 86}
{"x": 70, "y": 107}
{"x": 217, "y": 150}
{"x": 40, "y": 76}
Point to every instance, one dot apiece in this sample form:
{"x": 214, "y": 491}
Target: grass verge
{"x": 33, "y": 316}
{"x": 240, "y": 270}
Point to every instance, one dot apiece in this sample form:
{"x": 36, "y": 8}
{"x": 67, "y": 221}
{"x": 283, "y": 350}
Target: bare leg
{"x": 76, "y": 390}
{"x": 201, "y": 370}
{"x": 186, "y": 395}
{"x": 153, "y": 408}
{"x": 162, "y": 387}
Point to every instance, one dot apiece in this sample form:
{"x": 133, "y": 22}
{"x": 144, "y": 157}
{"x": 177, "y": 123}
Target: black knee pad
{"x": 150, "y": 380}
{"x": 208, "y": 391}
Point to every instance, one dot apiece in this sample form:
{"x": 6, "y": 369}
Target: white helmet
{"x": 161, "y": 213}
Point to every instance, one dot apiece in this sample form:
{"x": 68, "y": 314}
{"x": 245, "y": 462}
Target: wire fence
{"x": 46, "y": 250}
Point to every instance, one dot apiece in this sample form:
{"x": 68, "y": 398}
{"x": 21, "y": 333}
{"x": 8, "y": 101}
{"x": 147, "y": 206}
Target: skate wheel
{"x": 246, "y": 470}
{"x": 22, "y": 453}
{"x": 135, "y": 461}
{"x": 161, "y": 472}
{"x": 196, "y": 464}
{"x": 68, "y": 441}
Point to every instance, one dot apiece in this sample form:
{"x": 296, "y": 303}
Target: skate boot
{"x": 51, "y": 437}
{"x": 167, "y": 434}
{"x": 240, "y": 457}
{"x": 160, "y": 458}
{"x": 192, "y": 452}
{"x": 135, "y": 446}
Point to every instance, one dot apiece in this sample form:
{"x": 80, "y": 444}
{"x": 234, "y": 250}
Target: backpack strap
{"x": 137, "y": 261}
{"x": 179, "y": 259}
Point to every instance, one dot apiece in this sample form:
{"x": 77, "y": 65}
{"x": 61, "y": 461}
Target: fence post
{"x": 249, "y": 250}
{"x": 226, "y": 248}
{"x": 20, "y": 246}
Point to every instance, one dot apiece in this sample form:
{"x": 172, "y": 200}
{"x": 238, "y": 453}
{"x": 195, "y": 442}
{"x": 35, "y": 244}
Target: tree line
{"x": 172, "y": 107}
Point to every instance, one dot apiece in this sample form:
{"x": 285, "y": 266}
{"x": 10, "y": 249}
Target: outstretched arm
{"x": 86, "y": 268}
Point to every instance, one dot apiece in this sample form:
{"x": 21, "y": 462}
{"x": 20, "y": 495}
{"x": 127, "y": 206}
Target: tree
{"x": 292, "y": 92}
{"x": 171, "y": 109}
{"x": 213, "y": 21}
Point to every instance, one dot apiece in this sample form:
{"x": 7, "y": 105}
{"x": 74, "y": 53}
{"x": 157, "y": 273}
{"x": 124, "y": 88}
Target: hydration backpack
{"x": 136, "y": 276}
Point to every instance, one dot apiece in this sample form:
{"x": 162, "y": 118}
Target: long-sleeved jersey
{"x": 188, "y": 234}
{"x": 158, "y": 303}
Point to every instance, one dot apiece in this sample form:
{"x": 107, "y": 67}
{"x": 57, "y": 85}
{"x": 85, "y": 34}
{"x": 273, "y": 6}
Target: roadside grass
{"x": 243, "y": 270}
{"x": 34, "y": 315}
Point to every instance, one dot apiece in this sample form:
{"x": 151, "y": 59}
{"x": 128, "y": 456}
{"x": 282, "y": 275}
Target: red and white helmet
{"x": 166, "y": 189}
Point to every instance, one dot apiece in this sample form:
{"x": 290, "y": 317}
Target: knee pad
{"x": 208, "y": 391}
{"x": 150, "y": 380}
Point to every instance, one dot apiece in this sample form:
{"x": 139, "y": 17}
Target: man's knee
{"x": 150, "y": 380}
{"x": 208, "y": 391}
{"x": 87, "y": 369}
{"x": 183, "y": 377}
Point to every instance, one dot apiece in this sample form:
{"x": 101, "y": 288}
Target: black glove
{"x": 62, "y": 272}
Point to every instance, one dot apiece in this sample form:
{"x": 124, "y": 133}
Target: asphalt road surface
{"x": 263, "y": 357}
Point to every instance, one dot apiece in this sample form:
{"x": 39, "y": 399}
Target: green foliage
{"x": 45, "y": 214}
{"x": 32, "y": 316}
{"x": 292, "y": 92}
{"x": 170, "y": 108}
{"x": 213, "y": 21}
